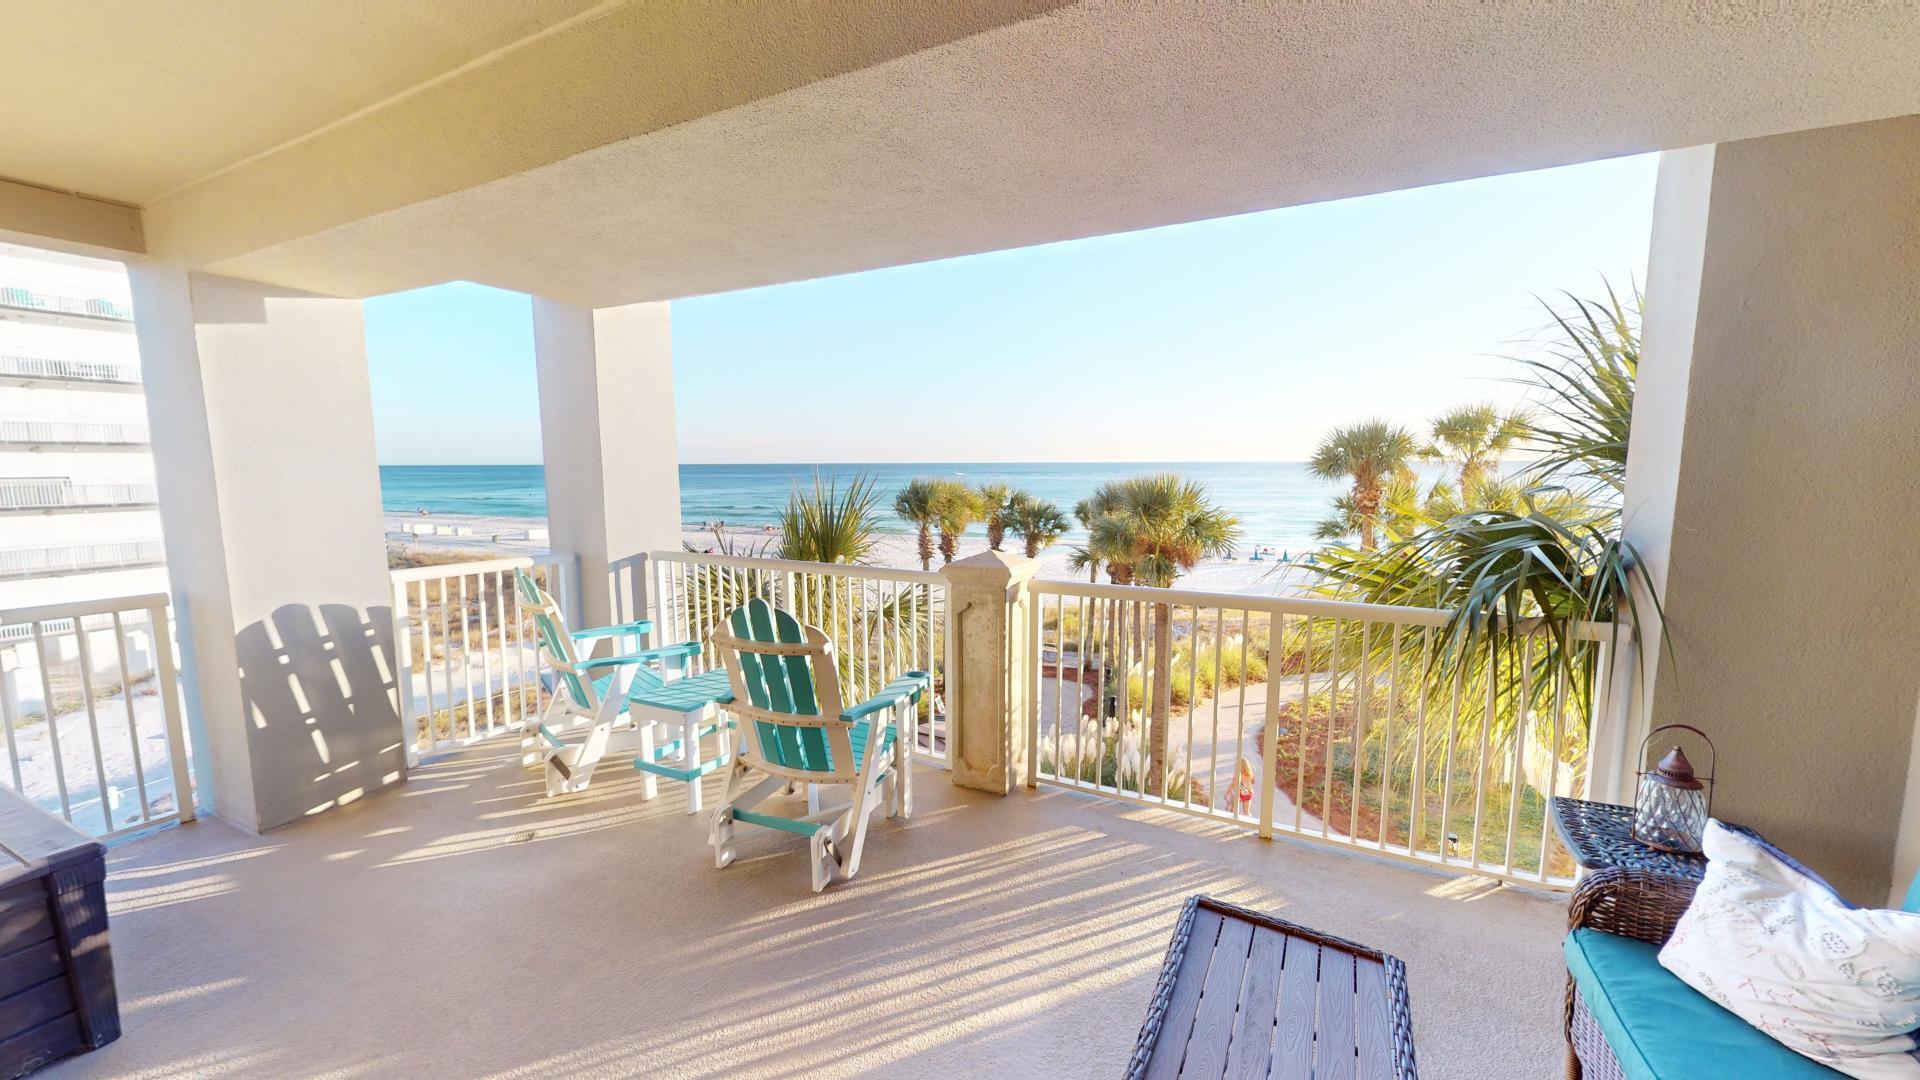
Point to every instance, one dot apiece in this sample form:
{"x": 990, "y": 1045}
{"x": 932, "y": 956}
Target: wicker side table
{"x": 1245, "y": 994}
{"x": 1599, "y": 835}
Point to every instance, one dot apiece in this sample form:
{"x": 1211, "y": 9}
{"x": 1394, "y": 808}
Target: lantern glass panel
{"x": 1669, "y": 818}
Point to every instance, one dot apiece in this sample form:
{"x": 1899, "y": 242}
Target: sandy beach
{"x": 484, "y": 536}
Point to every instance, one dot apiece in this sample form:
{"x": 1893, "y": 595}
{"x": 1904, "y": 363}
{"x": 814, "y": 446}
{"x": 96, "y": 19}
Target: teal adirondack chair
{"x": 786, "y": 702}
{"x": 584, "y": 697}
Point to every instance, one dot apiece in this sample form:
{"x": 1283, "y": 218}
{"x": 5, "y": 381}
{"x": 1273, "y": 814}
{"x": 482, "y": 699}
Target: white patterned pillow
{"x": 1775, "y": 945}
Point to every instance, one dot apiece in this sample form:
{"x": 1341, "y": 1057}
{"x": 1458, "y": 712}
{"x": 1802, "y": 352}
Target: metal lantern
{"x": 1670, "y": 812}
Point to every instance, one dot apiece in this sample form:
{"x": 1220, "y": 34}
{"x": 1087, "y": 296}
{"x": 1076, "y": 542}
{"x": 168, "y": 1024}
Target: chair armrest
{"x": 644, "y": 626}
{"x": 1631, "y": 902}
{"x": 906, "y": 687}
{"x": 680, "y": 652}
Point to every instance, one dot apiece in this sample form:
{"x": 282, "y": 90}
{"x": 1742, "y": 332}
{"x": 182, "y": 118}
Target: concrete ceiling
{"x": 659, "y": 151}
{"x": 132, "y": 99}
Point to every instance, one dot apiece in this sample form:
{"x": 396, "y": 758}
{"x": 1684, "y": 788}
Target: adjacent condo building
{"x": 78, "y": 514}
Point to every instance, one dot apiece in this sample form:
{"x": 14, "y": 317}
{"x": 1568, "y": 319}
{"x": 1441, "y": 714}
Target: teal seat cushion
{"x": 1662, "y": 1029}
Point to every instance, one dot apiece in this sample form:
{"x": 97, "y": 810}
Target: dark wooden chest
{"x": 56, "y": 972}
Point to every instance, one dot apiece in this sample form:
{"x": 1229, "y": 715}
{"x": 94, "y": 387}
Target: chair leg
{"x": 866, "y": 797}
{"x": 820, "y": 859}
{"x": 903, "y": 761}
{"x": 720, "y": 833}
{"x": 571, "y": 769}
{"x": 533, "y": 748}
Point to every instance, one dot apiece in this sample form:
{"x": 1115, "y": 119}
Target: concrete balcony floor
{"x": 465, "y": 926}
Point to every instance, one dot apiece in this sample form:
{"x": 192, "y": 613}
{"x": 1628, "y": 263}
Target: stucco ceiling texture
{"x": 1102, "y": 118}
{"x": 691, "y": 152}
{"x": 131, "y": 99}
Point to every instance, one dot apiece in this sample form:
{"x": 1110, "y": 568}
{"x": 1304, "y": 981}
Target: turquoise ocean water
{"x": 1277, "y": 502}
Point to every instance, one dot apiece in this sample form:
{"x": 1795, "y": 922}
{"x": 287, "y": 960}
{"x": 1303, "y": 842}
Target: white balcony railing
{"x": 882, "y": 621}
{"x": 80, "y": 558}
{"x": 1368, "y": 753}
{"x": 61, "y": 494}
{"x": 91, "y": 709}
{"x": 468, "y": 648}
{"x": 71, "y": 433}
{"x": 16, "y": 366}
{"x": 63, "y": 302}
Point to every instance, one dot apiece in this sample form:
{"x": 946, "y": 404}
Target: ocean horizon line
{"x": 1278, "y": 503}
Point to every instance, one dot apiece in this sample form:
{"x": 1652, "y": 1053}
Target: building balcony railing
{"x": 59, "y": 369}
{"x": 54, "y": 433}
{"x": 99, "y": 676}
{"x": 80, "y": 558}
{"x": 39, "y": 299}
{"x": 48, "y": 495}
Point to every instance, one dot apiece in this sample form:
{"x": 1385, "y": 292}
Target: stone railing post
{"x": 989, "y": 656}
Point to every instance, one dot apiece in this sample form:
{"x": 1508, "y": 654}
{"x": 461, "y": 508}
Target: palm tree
{"x": 1037, "y": 521}
{"x": 1532, "y": 557}
{"x": 1368, "y": 454}
{"x": 1080, "y": 558}
{"x": 996, "y": 499}
{"x": 1472, "y": 438}
{"x": 1585, "y": 391}
{"x": 1084, "y": 557}
{"x": 1159, "y": 526}
{"x": 955, "y": 507}
{"x": 1106, "y": 546}
{"x": 916, "y": 504}
{"x": 830, "y": 525}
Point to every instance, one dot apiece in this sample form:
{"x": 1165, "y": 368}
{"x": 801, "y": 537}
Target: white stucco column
{"x": 606, "y": 431}
{"x": 988, "y": 696}
{"x": 263, "y": 450}
{"x": 1775, "y": 453}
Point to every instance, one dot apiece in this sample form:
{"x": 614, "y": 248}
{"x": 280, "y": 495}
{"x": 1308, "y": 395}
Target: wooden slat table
{"x": 1244, "y": 994}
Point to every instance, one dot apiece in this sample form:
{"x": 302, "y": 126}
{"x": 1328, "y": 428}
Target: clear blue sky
{"x": 1240, "y": 338}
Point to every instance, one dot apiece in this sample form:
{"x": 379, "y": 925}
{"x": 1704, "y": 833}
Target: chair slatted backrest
{"x": 786, "y": 687}
{"x": 556, "y": 646}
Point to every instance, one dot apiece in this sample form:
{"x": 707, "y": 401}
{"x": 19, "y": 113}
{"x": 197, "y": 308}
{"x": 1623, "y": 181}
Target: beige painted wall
{"x": 1793, "y": 558}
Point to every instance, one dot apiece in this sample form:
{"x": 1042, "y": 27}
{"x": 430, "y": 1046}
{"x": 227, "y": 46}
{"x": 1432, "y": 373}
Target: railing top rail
{"x": 876, "y": 573}
{"x": 81, "y": 608}
{"x": 435, "y": 571}
{"x": 1313, "y": 607}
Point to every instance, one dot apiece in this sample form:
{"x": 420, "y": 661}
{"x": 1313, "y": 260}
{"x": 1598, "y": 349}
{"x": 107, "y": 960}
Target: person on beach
{"x": 1244, "y": 780}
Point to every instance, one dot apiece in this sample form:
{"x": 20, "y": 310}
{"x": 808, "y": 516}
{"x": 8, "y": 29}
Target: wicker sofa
{"x": 1628, "y": 1018}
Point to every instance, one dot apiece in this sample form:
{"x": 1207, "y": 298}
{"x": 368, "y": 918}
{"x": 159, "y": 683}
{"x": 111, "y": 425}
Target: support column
{"x": 1774, "y": 453}
{"x": 989, "y": 650}
{"x": 606, "y": 432}
{"x": 262, "y": 423}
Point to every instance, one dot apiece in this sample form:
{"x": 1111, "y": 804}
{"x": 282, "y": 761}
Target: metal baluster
{"x": 53, "y": 718}
{"x": 133, "y": 726}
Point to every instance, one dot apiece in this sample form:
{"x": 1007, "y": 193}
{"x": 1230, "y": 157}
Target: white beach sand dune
{"x": 494, "y": 536}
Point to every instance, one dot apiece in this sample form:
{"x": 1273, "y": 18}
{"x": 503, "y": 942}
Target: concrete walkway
{"x": 466, "y": 926}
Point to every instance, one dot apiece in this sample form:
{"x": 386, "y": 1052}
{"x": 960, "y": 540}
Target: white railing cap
{"x": 78, "y": 608}
{"x": 1307, "y": 606}
{"x": 858, "y": 570}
